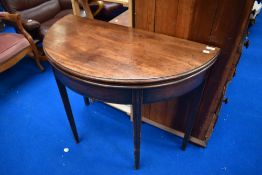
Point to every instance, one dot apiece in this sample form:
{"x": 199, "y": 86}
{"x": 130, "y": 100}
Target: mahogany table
{"x": 122, "y": 65}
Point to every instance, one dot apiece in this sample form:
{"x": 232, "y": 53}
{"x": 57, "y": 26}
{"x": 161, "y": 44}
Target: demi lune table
{"x": 117, "y": 64}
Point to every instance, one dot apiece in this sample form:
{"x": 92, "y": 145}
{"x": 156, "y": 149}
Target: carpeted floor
{"x": 34, "y": 130}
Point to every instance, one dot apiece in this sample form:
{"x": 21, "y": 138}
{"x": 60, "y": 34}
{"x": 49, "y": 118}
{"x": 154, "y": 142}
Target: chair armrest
{"x": 16, "y": 19}
{"x": 9, "y": 17}
{"x": 31, "y": 24}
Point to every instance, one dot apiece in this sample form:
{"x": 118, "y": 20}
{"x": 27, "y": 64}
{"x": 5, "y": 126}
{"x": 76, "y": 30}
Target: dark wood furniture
{"x": 13, "y": 47}
{"x": 136, "y": 67}
{"x": 221, "y": 23}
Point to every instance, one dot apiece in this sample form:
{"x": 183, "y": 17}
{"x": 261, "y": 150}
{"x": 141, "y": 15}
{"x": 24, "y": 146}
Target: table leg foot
{"x": 137, "y": 104}
{"x": 189, "y": 126}
{"x": 86, "y": 100}
{"x": 70, "y": 117}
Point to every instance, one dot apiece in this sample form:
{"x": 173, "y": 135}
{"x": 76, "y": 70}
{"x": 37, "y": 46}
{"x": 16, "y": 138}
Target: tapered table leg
{"x": 86, "y": 99}
{"x": 193, "y": 108}
{"x": 64, "y": 96}
{"x": 137, "y": 104}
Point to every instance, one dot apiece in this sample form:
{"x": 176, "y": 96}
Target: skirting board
{"x": 128, "y": 111}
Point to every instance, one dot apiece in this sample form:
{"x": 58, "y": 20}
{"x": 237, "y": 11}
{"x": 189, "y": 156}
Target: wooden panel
{"x": 227, "y": 34}
{"x": 146, "y": 110}
{"x": 225, "y": 31}
{"x": 162, "y": 16}
{"x": 179, "y": 16}
{"x": 166, "y": 112}
{"x": 169, "y": 113}
{"x": 184, "y": 19}
{"x": 144, "y": 14}
{"x": 157, "y": 113}
{"x": 218, "y": 22}
{"x": 202, "y": 23}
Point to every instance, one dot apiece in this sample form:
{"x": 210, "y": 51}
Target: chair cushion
{"x": 47, "y": 24}
{"x": 11, "y": 44}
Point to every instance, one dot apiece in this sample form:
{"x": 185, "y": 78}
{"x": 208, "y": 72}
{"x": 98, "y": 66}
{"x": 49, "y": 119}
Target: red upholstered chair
{"x": 13, "y": 46}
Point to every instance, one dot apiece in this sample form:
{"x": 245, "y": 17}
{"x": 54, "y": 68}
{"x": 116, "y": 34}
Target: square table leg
{"x": 70, "y": 117}
{"x": 137, "y": 105}
{"x": 193, "y": 109}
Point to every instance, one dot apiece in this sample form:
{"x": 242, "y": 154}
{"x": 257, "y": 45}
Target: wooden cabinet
{"x": 214, "y": 22}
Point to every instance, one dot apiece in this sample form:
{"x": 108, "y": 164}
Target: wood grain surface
{"x": 107, "y": 52}
{"x": 221, "y": 23}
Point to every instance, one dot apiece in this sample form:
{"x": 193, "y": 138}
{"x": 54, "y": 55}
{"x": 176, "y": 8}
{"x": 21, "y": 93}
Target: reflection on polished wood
{"x": 117, "y": 64}
{"x": 121, "y": 55}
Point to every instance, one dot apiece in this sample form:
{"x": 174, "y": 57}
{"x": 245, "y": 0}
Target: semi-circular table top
{"x": 107, "y": 53}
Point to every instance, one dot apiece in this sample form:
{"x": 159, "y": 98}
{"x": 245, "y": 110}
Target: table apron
{"x": 122, "y": 95}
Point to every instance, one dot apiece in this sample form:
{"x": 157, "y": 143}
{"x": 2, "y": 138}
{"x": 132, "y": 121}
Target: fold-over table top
{"x": 107, "y": 53}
